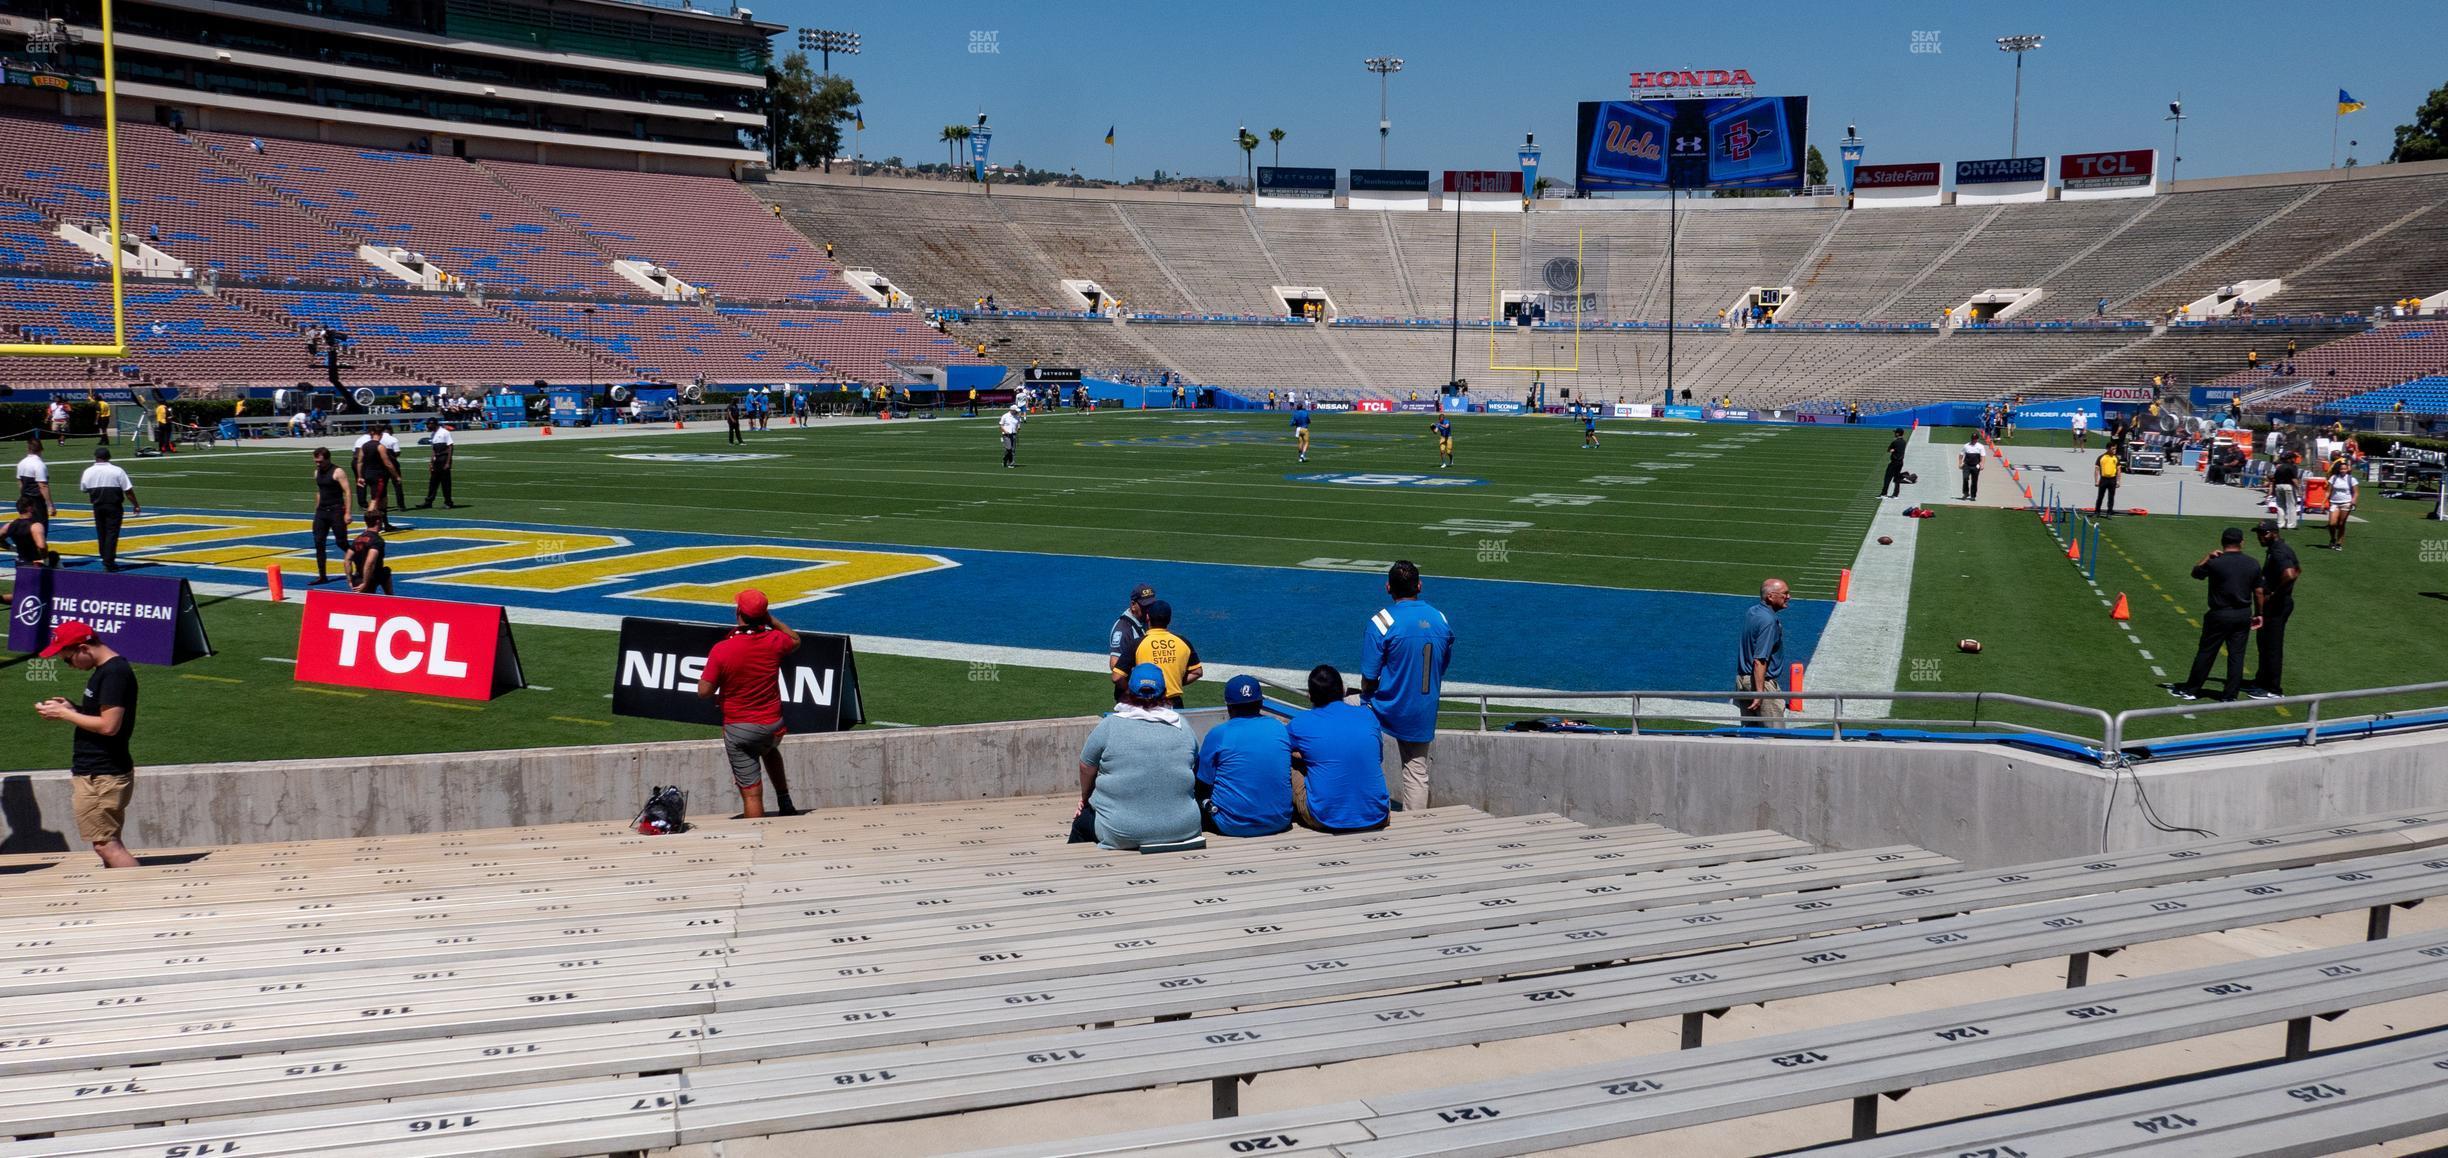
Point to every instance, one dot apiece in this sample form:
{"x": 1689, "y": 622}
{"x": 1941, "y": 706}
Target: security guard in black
{"x": 2233, "y": 578}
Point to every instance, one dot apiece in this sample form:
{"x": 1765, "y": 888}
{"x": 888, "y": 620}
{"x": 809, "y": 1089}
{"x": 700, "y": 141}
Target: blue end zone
{"x": 1548, "y": 636}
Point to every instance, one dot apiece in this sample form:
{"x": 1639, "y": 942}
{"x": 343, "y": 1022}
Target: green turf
{"x": 240, "y": 700}
{"x": 2374, "y": 615}
{"x": 1657, "y": 505}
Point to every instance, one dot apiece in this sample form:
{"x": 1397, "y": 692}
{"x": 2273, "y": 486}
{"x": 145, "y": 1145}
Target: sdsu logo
{"x": 29, "y": 610}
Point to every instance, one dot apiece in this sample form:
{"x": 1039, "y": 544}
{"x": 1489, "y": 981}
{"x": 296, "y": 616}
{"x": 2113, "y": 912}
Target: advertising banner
{"x": 1504, "y": 407}
{"x": 1693, "y": 413}
{"x": 1631, "y": 410}
{"x": 147, "y": 619}
{"x": 1283, "y": 181}
{"x": 1389, "y": 180}
{"x": 2001, "y": 171}
{"x": 1529, "y": 156}
{"x": 2124, "y": 173}
{"x": 2132, "y": 394}
{"x": 1374, "y": 406}
{"x": 2057, "y": 413}
{"x": 1483, "y": 181}
{"x": 391, "y": 643}
{"x": 1331, "y": 406}
{"x": 655, "y": 677}
{"x": 979, "y": 138}
{"x": 1730, "y": 143}
{"x": 1896, "y": 176}
{"x": 1416, "y": 407}
{"x": 1852, "y": 155}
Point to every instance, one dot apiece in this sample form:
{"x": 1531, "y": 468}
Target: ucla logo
{"x": 694, "y": 458}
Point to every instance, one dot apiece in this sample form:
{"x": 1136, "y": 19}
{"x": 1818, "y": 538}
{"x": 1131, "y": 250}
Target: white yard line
{"x": 1863, "y": 646}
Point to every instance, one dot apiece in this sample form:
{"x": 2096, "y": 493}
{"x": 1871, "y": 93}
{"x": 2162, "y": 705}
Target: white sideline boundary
{"x": 1863, "y": 646}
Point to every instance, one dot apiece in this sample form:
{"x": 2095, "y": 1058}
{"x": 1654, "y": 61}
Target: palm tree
{"x": 952, "y": 137}
{"x": 1277, "y": 136}
{"x": 1249, "y": 155}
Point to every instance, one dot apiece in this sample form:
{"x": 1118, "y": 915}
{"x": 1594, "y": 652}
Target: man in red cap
{"x": 744, "y": 674}
{"x": 103, "y": 768}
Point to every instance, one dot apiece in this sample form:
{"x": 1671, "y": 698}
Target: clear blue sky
{"x": 2259, "y": 78}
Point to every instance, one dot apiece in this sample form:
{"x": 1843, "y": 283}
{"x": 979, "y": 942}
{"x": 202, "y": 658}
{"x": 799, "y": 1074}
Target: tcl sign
{"x": 390, "y": 643}
{"x": 2118, "y": 170}
{"x": 1374, "y": 405}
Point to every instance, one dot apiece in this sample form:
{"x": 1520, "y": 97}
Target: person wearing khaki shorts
{"x": 1405, "y": 651}
{"x": 105, "y": 723}
{"x": 1759, "y": 657}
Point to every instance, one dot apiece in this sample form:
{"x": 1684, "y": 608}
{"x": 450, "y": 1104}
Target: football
{"x": 1886, "y": 540}
{"x": 1970, "y": 645}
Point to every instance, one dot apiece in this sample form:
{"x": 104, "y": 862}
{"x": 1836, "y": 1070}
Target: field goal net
{"x": 50, "y": 47}
{"x": 1562, "y": 289}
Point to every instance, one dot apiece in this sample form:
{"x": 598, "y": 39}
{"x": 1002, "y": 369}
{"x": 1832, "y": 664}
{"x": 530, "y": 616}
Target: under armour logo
{"x": 1689, "y": 146}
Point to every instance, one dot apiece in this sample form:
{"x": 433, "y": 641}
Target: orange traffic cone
{"x": 547, "y": 428}
{"x": 2120, "y": 612}
{"x": 2074, "y": 548}
{"x": 1844, "y": 584}
{"x": 2046, "y": 520}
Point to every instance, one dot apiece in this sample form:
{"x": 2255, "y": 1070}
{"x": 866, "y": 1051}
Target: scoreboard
{"x": 1720, "y": 143}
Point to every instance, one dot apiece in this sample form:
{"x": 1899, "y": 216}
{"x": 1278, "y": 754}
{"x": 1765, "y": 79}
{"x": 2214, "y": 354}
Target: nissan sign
{"x": 659, "y": 661}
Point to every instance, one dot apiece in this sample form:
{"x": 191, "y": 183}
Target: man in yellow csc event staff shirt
{"x": 1171, "y": 654}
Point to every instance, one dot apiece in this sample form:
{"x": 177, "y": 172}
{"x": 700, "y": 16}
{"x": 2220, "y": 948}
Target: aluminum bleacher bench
{"x": 1859, "y": 1061}
{"x": 1615, "y": 994}
{"x": 2328, "y": 1103}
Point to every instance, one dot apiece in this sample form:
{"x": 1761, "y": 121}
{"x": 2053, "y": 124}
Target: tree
{"x": 2426, "y": 139}
{"x": 804, "y": 114}
{"x": 952, "y": 137}
{"x": 1249, "y": 156}
{"x": 1814, "y": 167}
{"x": 1277, "y": 136}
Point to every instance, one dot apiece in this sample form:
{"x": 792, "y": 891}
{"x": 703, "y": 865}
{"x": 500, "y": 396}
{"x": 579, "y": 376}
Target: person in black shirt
{"x": 367, "y": 569}
{"x": 2276, "y": 602}
{"x": 1122, "y": 643}
{"x": 2234, "y": 587}
{"x": 2286, "y": 491}
{"x": 1893, "y": 482}
{"x": 731, "y": 420}
{"x": 26, "y": 536}
{"x": 331, "y": 517}
{"x": 105, "y": 721}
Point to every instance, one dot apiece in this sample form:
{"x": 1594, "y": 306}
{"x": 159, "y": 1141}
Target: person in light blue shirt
{"x": 1245, "y": 767}
{"x": 1405, "y": 652}
{"x": 1137, "y": 771}
{"x": 1300, "y": 429}
{"x": 1339, "y": 753}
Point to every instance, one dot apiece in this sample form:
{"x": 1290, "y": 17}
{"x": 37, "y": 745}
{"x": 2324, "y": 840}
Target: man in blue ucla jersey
{"x": 1443, "y": 428}
{"x": 1408, "y": 645}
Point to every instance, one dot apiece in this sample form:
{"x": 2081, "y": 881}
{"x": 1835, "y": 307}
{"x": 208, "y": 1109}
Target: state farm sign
{"x": 2123, "y": 169}
{"x": 395, "y": 644}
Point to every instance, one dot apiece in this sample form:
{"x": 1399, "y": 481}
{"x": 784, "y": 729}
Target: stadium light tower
{"x": 2018, "y": 45}
{"x": 2176, "y": 117}
{"x": 1383, "y": 66}
{"x": 825, "y": 42}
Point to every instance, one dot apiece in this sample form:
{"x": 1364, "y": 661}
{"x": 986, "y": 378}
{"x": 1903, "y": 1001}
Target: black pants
{"x": 106, "y": 533}
{"x": 2272, "y": 641}
{"x": 438, "y": 478}
{"x": 2226, "y": 629}
{"x": 2106, "y": 502}
{"x": 736, "y": 437}
{"x": 331, "y": 523}
{"x": 1971, "y": 482}
{"x": 1893, "y": 482}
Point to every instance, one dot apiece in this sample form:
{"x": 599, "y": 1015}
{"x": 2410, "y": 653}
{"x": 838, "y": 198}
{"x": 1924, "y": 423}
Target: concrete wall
{"x": 199, "y": 804}
{"x": 1983, "y": 805}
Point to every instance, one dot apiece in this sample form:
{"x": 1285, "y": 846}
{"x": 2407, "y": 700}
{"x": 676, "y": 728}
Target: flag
{"x": 860, "y": 121}
{"x": 2347, "y": 104}
{"x": 1109, "y": 131}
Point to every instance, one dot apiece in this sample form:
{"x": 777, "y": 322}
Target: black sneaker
{"x": 2182, "y": 694}
{"x": 2260, "y": 694}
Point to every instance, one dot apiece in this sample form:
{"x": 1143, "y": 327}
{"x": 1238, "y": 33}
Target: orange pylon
{"x": 2074, "y": 548}
{"x": 2046, "y": 519}
{"x": 2120, "y": 612}
{"x": 1844, "y": 584}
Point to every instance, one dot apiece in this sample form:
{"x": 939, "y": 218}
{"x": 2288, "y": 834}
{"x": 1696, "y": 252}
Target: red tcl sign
{"x": 2121, "y": 169}
{"x": 1374, "y": 405}
{"x": 395, "y": 644}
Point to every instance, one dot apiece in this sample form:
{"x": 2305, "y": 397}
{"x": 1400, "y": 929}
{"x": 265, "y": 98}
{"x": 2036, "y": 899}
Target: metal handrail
{"x": 2107, "y": 740}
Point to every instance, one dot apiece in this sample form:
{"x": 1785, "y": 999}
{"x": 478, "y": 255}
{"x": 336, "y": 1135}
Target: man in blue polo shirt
{"x": 1339, "y": 753}
{"x": 1245, "y": 767}
{"x": 1405, "y": 651}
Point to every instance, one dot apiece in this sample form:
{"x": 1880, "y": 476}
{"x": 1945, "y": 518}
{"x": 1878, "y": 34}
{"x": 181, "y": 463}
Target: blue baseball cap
{"x": 1147, "y": 681}
{"x": 1242, "y": 689}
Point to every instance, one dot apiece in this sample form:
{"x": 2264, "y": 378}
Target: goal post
{"x": 117, "y": 346}
{"x": 1561, "y": 276}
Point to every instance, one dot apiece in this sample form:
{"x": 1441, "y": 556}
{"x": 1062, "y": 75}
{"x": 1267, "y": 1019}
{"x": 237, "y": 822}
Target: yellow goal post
{"x": 117, "y": 347}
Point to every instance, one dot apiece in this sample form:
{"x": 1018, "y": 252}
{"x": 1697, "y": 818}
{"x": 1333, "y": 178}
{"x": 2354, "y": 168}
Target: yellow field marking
{"x": 326, "y": 691}
{"x": 215, "y": 679}
{"x": 450, "y": 705}
{"x": 795, "y": 574}
{"x": 576, "y": 720}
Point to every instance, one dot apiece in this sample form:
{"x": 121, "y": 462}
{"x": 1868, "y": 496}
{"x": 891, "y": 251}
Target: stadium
{"x": 1676, "y": 644}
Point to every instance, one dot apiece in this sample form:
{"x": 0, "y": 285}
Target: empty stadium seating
{"x": 2384, "y": 356}
{"x": 175, "y": 334}
{"x": 446, "y": 338}
{"x": 707, "y": 231}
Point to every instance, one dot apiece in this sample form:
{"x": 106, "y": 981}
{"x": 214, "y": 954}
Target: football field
{"x": 976, "y": 592}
